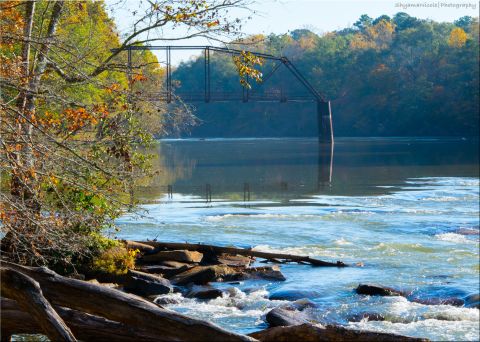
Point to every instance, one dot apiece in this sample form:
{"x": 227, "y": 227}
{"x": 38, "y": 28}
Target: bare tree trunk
{"x": 16, "y": 187}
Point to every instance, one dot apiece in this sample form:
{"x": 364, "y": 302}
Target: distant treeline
{"x": 399, "y": 76}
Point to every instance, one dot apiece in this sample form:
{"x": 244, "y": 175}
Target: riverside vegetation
{"x": 74, "y": 131}
{"x": 385, "y": 76}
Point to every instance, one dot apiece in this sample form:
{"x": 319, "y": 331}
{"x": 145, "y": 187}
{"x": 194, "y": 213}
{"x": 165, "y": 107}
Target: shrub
{"x": 116, "y": 259}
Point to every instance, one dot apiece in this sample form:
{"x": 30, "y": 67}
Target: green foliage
{"x": 387, "y": 77}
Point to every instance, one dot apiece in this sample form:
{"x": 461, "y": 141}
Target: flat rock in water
{"x": 145, "y": 284}
{"x": 175, "y": 264}
{"x": 165, "y": 271}
{"x": 314, "y": 333}
{"x": 204, "y": 292}
{"x": 201, "y": 275}
{"x": 264, "y": 272}
{"x": 234, "y": 260}
{"x": 178, "y": 255}
{"x": 377, "y": 290}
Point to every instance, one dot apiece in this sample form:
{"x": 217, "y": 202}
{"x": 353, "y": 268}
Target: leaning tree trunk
{"x": 28, "y": 294}
{"x": 86, "y": 327}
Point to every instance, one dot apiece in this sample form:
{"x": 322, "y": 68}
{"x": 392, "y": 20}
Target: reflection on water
{"x": 408, "y": 209}
{"x": 291, "y": 168}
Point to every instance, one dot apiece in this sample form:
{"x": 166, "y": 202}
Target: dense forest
{"x": 398, "y": 76}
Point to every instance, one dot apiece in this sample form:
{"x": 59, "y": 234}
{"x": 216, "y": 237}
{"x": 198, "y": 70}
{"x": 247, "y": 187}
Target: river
{"x": 408, "y": 209}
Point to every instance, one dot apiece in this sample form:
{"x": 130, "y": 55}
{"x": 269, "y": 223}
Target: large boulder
{"x": 177, "y": 255}
{"x": 201, "y": 275}
{"x": 145, "y": 284}
{"x": 314, "y": 333}
{"x": 294, "y": 313}
{"x": 285, "y": 316}
{"x": 377, "y": 290}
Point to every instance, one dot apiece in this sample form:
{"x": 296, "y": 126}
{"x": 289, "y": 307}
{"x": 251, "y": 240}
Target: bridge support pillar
{"x": 325, "y": 125}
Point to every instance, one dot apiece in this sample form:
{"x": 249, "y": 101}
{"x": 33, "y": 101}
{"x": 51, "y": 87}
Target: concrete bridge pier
{"x": 325, "y": 125}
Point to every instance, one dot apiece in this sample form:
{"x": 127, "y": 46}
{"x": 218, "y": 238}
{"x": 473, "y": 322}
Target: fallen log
{"x": 241, "y": 251}
{"x": 27, "y": 293}
{"x": 124, "y": 308}
{"x": 85, "y": 326}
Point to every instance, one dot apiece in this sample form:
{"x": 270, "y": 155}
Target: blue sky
{"x": 281, "y": 16}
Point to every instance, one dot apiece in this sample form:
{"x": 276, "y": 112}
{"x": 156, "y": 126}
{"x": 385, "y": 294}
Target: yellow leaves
{"x": 245, "y": 64}
{"x": 377, "y": 36}
{"x": 213, "y": 23}
{"x": 112, "y": 88}
{"x": 457, "y": 38}
{"x": 53, "y": 180}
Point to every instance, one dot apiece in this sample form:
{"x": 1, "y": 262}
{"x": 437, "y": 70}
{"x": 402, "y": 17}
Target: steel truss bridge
{"x": 168, "y": 95}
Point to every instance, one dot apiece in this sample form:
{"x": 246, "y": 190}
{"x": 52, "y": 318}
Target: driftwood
{"x": 28, "y": 294}
{"x": 121, "y": 307}
{"x": 241, "y": 251}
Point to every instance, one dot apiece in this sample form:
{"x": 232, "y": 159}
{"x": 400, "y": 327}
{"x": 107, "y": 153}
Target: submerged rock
{"x": 473, "y": 301}
{"x": 439, "y": 301}
{"x": 468, "y": 231}
{"x": 366, "y": 316}
{"x": 377, "y": 290}
{"x": 293, "y": 294}
{"x": 144, "y": 284}
{"x": 314, "y": 333}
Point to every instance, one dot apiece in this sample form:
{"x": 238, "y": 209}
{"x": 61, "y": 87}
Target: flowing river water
{"x": 408, "y": 209}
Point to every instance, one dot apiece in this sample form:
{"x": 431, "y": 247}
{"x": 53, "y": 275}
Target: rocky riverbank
{"x": 190, "y": 270}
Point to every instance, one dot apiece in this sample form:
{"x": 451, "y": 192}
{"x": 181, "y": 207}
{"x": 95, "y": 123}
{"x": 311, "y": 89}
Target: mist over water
{"x": 408, "y": 209}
